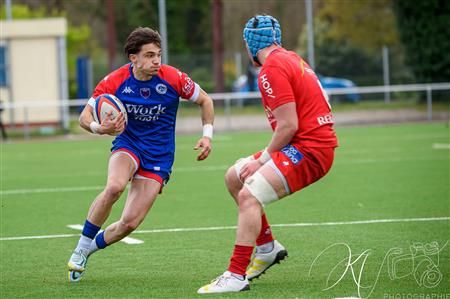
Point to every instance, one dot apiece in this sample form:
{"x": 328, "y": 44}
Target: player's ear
{"x": 132, "y": 58}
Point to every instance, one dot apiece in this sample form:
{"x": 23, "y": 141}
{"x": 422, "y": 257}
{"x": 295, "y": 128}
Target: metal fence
{"x": 228, "y": 100}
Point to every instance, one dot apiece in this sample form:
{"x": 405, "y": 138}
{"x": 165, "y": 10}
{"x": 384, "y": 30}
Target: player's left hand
{"x": 204, "y": 144}
{"x": 249, "y": 169}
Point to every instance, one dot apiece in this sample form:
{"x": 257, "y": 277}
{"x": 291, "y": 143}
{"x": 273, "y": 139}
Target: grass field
{"x": 397, "y": 174}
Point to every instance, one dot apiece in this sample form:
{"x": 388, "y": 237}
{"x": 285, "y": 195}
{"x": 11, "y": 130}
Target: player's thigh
{"x": 141, "y": 196}
{"x": 121, "y": 168}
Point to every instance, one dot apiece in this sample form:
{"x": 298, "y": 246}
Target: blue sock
{"x": 90, "y": 230}
{"x": 100, "y": 240}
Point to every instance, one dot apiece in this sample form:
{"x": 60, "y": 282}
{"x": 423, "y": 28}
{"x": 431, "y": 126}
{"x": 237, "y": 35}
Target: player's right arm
{"x": 106, "y": 85}
{"x": 108, "y": 126}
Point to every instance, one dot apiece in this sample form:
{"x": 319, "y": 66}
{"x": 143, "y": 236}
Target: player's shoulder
{"x": 176, "y": 78}
{"x": 280, "y": 57}
{"x": 119, "y": 75}
{"x": 169, "y": 73}
{"x": 281, "y": 62}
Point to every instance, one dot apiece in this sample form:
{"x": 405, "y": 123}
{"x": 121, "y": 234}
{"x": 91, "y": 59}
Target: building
{"x": 33, "y": 71}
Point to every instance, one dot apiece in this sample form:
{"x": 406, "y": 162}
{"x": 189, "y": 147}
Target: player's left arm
{"x": 207, "y": 113}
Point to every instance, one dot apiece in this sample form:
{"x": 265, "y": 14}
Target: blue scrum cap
{"x": 261, "y": 32}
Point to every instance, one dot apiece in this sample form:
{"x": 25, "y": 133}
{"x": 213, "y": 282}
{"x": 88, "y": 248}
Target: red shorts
{"x": 302, "y": 166}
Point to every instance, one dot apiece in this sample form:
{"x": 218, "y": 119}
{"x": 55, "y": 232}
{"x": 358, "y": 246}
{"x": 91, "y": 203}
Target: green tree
{"x": 348, "y": 39}
{"x": 339, "y": 58}
{"x": 78, "y": 38}
{"x": 424, "y": 27}
{"x": 188, "y": 22}
{"x": 368, "y": 25}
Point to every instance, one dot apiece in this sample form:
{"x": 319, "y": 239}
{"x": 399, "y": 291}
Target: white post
{"x": 63, "y": 83}
{"x": 310, "y": 27}
{"x": 26, "y": 123}
{"x": 238, "y": 61}
{"x": 429, "y": 104}
{"x": 227, "y": 113}
{"x": 163, "y": 30}
{"x": 387, "y": 94}
{"x": 8, "y": 10}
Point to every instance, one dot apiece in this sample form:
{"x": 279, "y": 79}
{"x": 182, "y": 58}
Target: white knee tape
{"x": 261, "y": 189}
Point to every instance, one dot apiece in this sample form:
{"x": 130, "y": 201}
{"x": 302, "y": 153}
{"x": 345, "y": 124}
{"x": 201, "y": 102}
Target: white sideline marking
{"x": 126, "y": 240}
{"x": 194, "y": 229}
{"x": 51, "y": 190}
{"x": 441, "y": 146}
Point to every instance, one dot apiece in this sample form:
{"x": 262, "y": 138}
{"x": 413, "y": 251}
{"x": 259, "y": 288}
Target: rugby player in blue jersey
{"x": 143, "y": 152}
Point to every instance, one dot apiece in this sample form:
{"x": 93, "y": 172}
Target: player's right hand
{"x": 113, "y": 126}
{"x": 249, "y": 169}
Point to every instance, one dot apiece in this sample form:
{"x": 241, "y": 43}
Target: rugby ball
{"x": 106, "y": 103}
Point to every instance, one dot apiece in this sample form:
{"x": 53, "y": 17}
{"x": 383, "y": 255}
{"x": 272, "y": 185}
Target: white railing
{"x": 64, "y": 105}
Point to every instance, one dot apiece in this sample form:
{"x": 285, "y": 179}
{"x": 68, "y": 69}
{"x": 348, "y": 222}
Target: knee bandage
{"x": 261, "y": 189}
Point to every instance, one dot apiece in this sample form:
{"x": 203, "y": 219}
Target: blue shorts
{"x": 145, "y": 167}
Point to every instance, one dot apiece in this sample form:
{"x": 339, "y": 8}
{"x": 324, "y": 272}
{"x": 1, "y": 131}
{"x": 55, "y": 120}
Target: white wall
{"x": 34, "y": 72}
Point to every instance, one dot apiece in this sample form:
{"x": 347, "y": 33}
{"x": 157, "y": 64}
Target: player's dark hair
{"x": 139, "y": 37}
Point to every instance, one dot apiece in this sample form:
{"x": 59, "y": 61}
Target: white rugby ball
{"x": 106, "y": 103}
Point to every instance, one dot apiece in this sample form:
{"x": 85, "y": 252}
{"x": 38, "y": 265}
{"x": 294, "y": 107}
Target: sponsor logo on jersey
{"x": 292, "y": 153}
{"x": 266, "y": 86}
{"x": 161, "y": 88}
{"x": 127, "y": 89}
{"x": 326, "y": 119}
{"x": 145, "y": 92}
{"x": 145, "y": 113}
{"x": 187, "y": 87}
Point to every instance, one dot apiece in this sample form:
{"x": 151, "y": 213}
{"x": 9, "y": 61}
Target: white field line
{"x": 441, "y": 146}
{"x": 51, "y": 190}
{"x": 126, "y": 240}
{"x": 198, "y": 169}
{"x": 215, "y": 228}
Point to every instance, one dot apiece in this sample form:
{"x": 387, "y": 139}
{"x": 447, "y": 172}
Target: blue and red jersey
{"x": 152, "y": 109}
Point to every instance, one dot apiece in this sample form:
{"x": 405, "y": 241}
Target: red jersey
{"x": 285, "y": 77}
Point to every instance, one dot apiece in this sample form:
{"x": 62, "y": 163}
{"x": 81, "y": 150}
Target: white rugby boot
{"x": 263, "y": 261}
{"x": 77, "y": 264}
{"x": 225, "y": 283}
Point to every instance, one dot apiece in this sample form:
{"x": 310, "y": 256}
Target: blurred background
{"x": 379, "y": 60}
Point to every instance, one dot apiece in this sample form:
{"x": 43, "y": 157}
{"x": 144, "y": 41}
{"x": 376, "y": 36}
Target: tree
{"x": 424, "y": 29}
{"x": 348, "y": 39}
{"x": 78, "y": 37}
{"x": 188, "y": 22}
{"x": 368, "y": 25}
{"x": 339, "y": 58}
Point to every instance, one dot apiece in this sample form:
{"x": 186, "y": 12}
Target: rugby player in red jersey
{"x": 300, "y": 152}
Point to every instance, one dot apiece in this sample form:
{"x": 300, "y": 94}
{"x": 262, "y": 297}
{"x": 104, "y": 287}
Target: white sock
{"x": 265, "y": 248}
{"x": 93, "y": 247}
{"x": 83, "y": 244}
